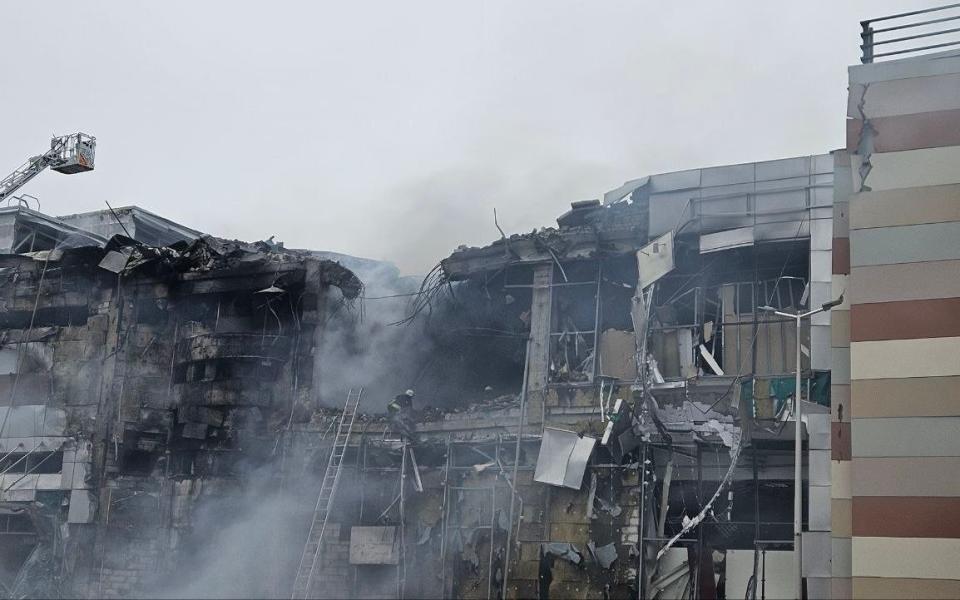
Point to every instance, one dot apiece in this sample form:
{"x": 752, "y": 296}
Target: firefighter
{"x": 401, "y": 414}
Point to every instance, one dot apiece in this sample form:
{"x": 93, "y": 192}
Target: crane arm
{"x": 30, "y": 169}
{"x": 67, "y": 154}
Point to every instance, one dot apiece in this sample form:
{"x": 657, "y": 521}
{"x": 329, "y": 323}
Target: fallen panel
{"x": 726, "y": 240}
{"x": 374, "y": 546}
{"x": 563, "y": 458}
{"x": 655, "y": 259}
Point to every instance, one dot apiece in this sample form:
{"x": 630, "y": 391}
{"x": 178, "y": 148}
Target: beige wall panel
{"x": 895, "y": 359}
{"x": 923, "y": 476}
{"x": 840, "y": 479}
{"x": 904, "y": 96}
{"x": 840, "y": 328}
{"x": 914, "y": 397}
{"x": 914, "y": 168}
{"x": 905, "y": 207}
{"x": 935, "y": 63}
{"x": 906, "y": 436}
{"x": 890, "y": 588}
{"x": 916, "y": 558}
{"x": 917, "y": 281}
{"x": 841, "y": 519}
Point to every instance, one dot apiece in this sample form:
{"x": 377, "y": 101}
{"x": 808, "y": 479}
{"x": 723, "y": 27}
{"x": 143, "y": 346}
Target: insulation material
{"x": 618, "y": 354}
{"x": 655, "y": 259}
{"x": 374, "y": 546}
{"x": 563, "y": 458}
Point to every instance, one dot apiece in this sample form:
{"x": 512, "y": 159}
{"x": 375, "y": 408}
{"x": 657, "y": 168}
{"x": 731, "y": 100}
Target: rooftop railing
{"x": 908, "y": 33}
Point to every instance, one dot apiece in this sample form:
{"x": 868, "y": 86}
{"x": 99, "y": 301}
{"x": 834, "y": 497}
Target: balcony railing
{"x": 910, "y": 33}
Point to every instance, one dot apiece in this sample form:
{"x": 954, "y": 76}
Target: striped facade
{"x": 896, "y": 343}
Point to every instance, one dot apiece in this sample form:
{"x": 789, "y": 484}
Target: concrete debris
{"x": 566, "y": 551}
{"x": 605, "y": 555}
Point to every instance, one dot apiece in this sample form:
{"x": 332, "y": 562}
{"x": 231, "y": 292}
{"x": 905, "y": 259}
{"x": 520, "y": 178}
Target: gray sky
{"x": 392, "y": 129}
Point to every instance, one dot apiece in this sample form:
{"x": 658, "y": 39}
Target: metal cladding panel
{"x": 913, "y": 168}
{"x": 818, "y": 467}
{"x": 784, "y": 168}
{"x": 907, "y": 516}
{"x": 898, "y": 588}
{"x": 819, "y": 507}
{"x": 904, "y": 96}
{"x": 911, "y": 319}
{"x": 913, "y": 206}
{"x": 920, "y": 558}
{"x": 895, "y": 359}
{"x": 668, "y": 210}
{"x": 821, "y": 266}
{"x": 728, "y": 175}
{"x": 823, "y": 163}
{"x": 916, "y": 281}
{"x": 816, "y": 550}
{"x": 788, "y": 184}
{"x": 821, "y": 234}
{"x": 905, "y": 244}
{"x": 739, "y": 190}
{"x": 780, "y": 574}
{"x": 902, "y": 476}
{"x": 906, "y": 436}
{"x": 563, "y": 458}
{"x": 790, "y": 230}
{"x": 914, "y": 397}
{"x": 655, "y": 260}
{"x": 678, "y": 180}
{"x": 726, "y": 240}
{"x": 780, "y": 202}
{"x": 577, "y": 465}
{"x": 821, "y": 292}
{"x": 820, "y": 349}
{"x": 938, "y": 63}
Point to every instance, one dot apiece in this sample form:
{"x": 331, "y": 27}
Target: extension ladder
{"x": 328, "y": 489}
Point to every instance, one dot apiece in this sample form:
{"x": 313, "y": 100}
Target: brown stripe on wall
{"x": 912, "y": 397}
{"x": 890, "y": 588}
{"x": 840, "y": 441}
{"x": 913, "y": 319}
{"x": 841, "y": 256}
{"x": 920, "y": 130}
{"x": 916, "y": 517}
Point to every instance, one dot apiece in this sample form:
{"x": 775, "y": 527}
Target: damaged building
{"x": 602, "y": 408}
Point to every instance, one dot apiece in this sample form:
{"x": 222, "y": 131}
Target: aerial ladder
{"x": 310, "y": 557}
{"x": 69, "y": 154}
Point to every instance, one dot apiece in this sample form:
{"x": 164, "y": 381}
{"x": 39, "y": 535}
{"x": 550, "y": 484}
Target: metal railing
{"x": 874, "y": 39}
